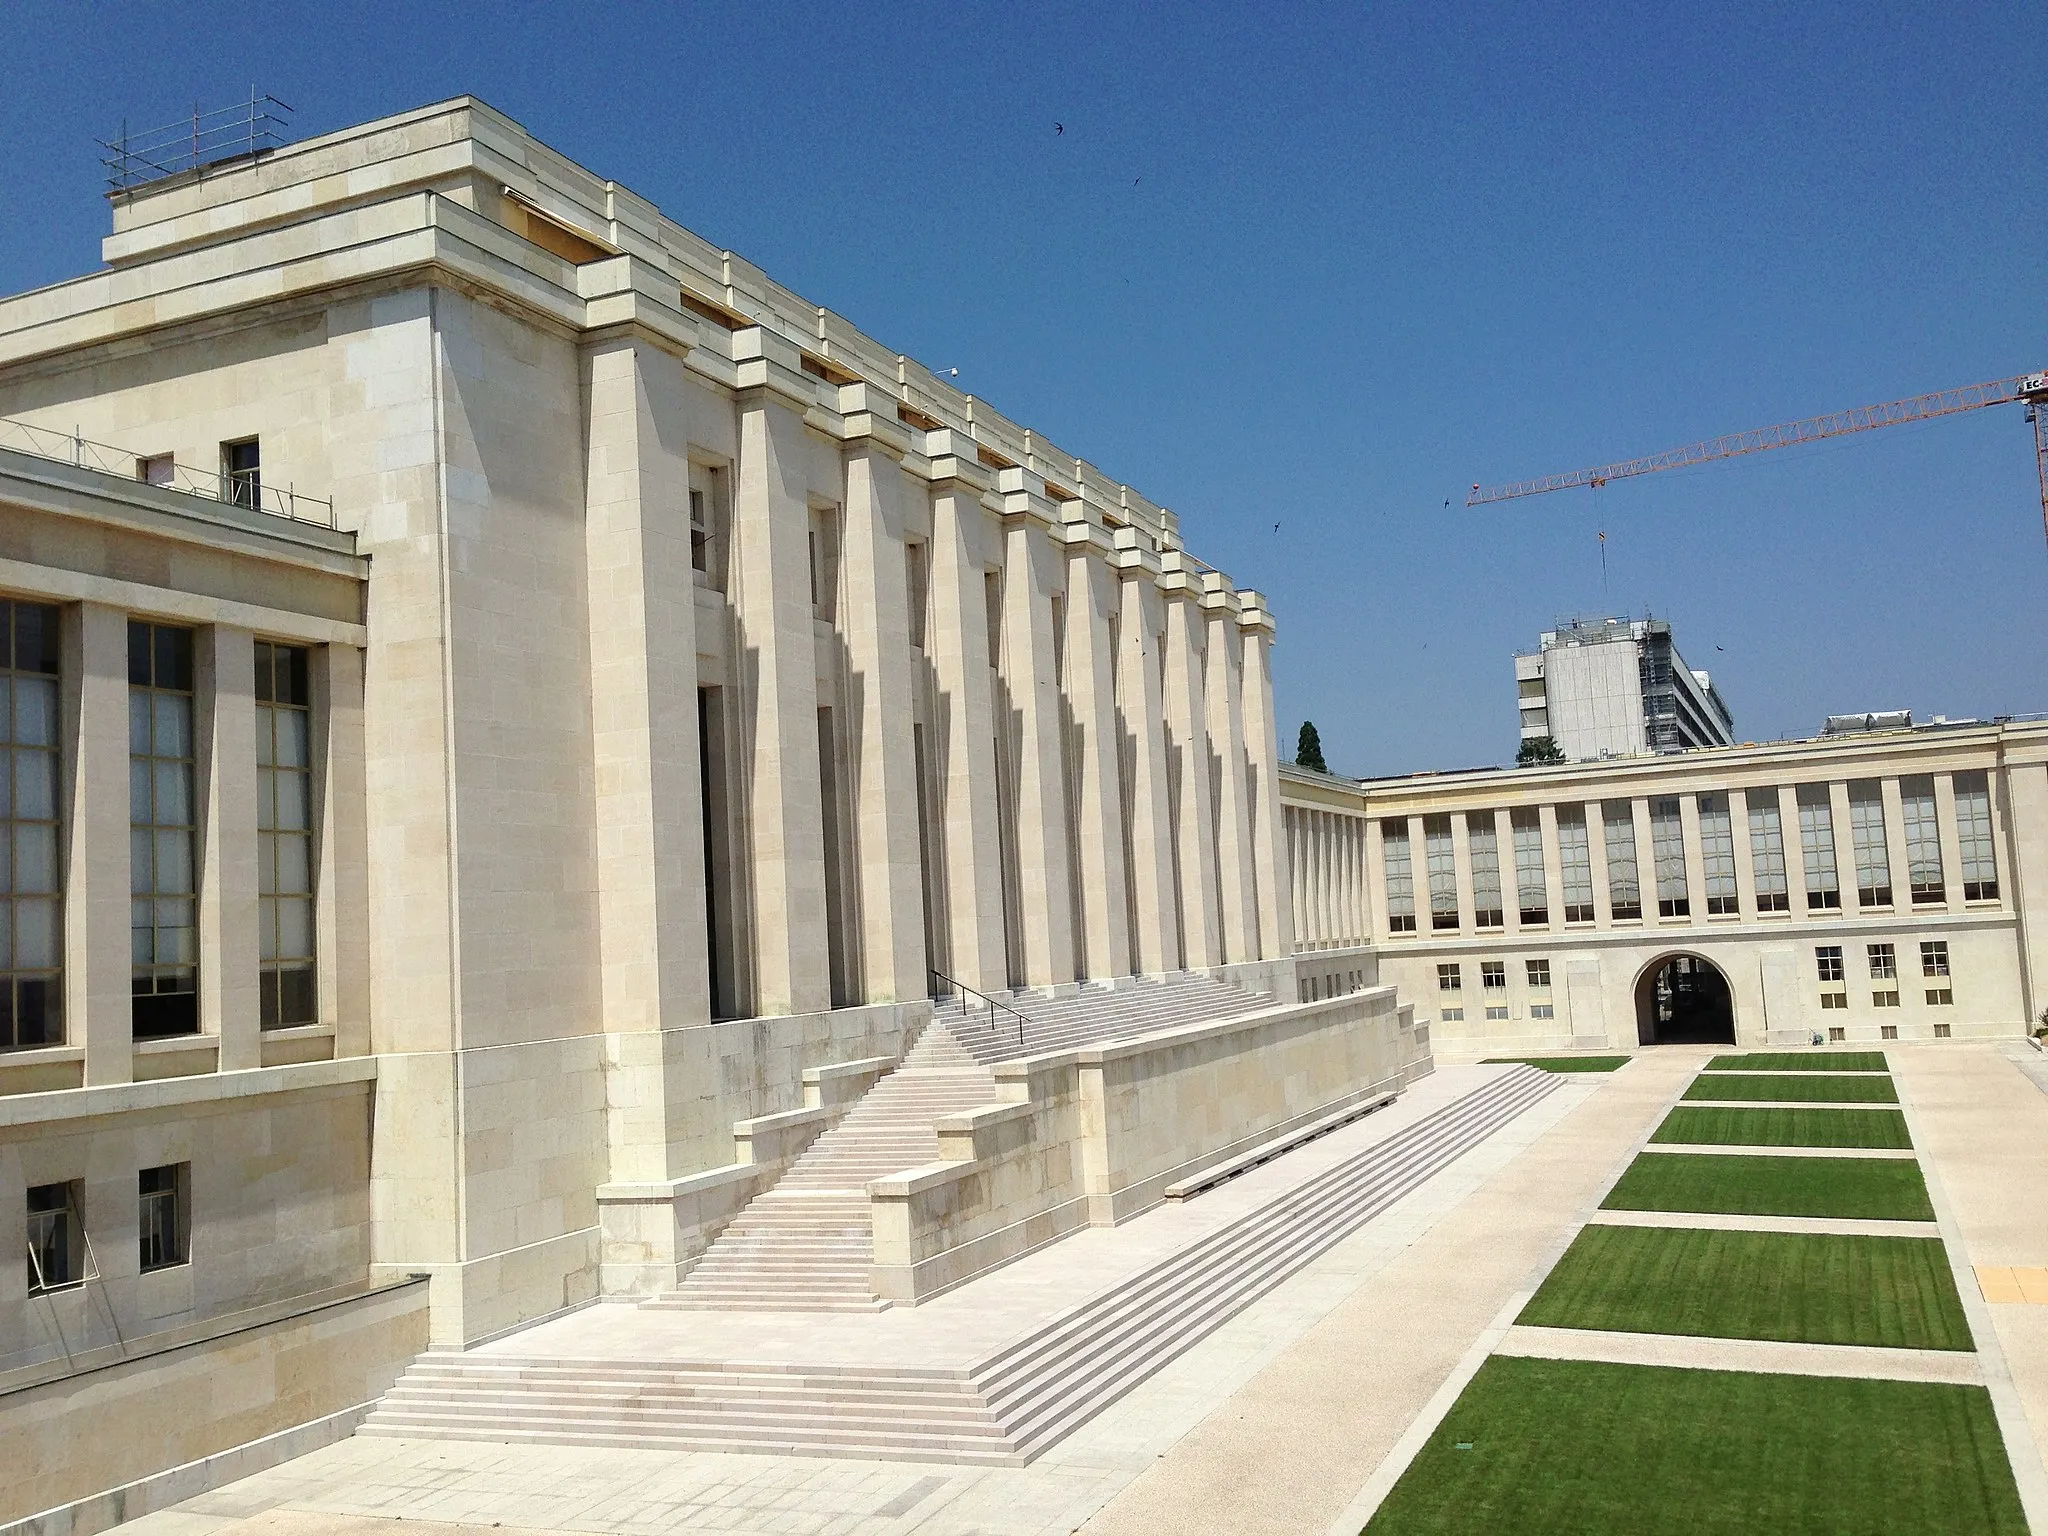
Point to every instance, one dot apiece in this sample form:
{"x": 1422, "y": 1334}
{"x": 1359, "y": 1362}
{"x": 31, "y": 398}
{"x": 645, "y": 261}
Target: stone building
{"x": 1617, "y": 688}
{"x": 1880, "y": 886}
{"x": 504, "y": 691}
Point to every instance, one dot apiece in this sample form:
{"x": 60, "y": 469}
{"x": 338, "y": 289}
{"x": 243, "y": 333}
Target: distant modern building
{"x": 1617, "y": 688}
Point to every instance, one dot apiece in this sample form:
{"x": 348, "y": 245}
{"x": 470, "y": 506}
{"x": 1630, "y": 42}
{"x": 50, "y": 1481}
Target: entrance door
{"x": 1684, "y": 1001}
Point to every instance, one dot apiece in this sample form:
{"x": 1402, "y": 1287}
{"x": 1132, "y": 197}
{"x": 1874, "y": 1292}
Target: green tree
{"x": 1308, "y": 748}
{"x": 1538, "y": 751}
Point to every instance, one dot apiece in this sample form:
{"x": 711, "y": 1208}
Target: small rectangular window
{"x": 1539, "y": 973}
{"x": 157, "y": 469}
{"x": 1542, "y": 1010}
{"x": 825, "y": 567}
{"x": 1934, "y": 957}
{"x": 1497, "y": 1011}
{"x": 1833, "y": 1000}
{"x": 1888, "y": 1032}
{"x": 1449, "y": 979}
{"x": 1941, "y": 1030}
{"x": 708, "y": 525}
{"x": 1884, "y": 962}
{"x": 1940, "y": 997}
{"x": 160, "y": 1216}
{"x": 1451, "y": 1015}
{"x": 918, "y": 595}
{"x": 1828, "y": 957}
{"x": 53, "y": 1237}
{"x": 1493, "y": 975}
{"x": 1837, "y": 1034}
{"x": 1884, "y": 999}
{"x": 241, "y": 474}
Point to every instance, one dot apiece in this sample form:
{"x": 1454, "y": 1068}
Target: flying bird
{"x": 1058, "y": 129}
{"x": 1276, "y": 527}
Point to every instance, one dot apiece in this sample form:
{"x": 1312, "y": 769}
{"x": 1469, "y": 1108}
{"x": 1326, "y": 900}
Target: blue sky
{"x": 1325, "y": 267}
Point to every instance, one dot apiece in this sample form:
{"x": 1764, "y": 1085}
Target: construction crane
{"x": 2030, "y": 389}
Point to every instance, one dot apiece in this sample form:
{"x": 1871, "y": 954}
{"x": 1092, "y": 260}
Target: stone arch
{"x": 1684, "y": 998}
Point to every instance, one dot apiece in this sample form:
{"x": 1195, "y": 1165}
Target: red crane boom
{"x": 2031, "y": 388}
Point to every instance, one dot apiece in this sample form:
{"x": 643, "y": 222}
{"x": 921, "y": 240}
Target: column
{"x": 1553, "y": 866}
{"x": 1596, "y": 847}
{"x": 1144, "y": 704}
{"x": 1375, "y": 857}
{"x": 1092, "y": 599}
{"x": 652, "y": 924}
{"x": 881, "y": 707}
{"x": 1461, "y": 867}
{"x": 97, "y": 1011}
{"x": 1745, "y": 856}
{"x": 1031, "y": 575}
{"x": 776, "y": 659}
{"x": 1646, "y": 859}
{"x": 1234, "y": 860}
{"x": 341, "y": 898}
{"x": 230, "y": 993}
{"x": 1695, "y": 855}
{"x": 1186, "y": 720}
{"x": 1269, "y": 849}
{"x": 1895, "y": 849}
{"x": 963, "y": 547}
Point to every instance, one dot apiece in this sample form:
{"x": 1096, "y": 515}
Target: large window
{"x": 1767, "y": 851}
{"x": 1530, "y": 899}
{"x": 284, "y": 836}
{"x": 1624, "y": 883}
{"x": 1923, "y": 840}
{"x": 1866, "y": 835}
{"x": 1667, "y": 849}
{"x": 31, "y": 978}
{"x": 241, "y": 474}
{"x": 1449, "y": 979}
{"x": 1828, "y": 959}
{"x": 1483, "y": 837}
{"x": 53, "y": 1237}
{"x": 161, "y": 1221}
{"x": 1717, "y": 854}
{"x": 1817, "y": 848}
{"x": 1442, "y": 865}
{"x": 1400, "y": 876}
{"x": 162, "y": 874}
{"x": 1973, "y": 832}
{"x": 1575, "y": 856}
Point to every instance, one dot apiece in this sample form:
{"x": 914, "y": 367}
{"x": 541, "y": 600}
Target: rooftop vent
{"x": 226, "y": 136}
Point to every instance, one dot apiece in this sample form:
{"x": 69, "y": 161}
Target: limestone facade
{"x": 1867, "y": 888}
{"x": 691, "y": 688}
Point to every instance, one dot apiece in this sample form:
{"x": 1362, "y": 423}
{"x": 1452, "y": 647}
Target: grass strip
{"x": 1792, "y": 1086}
{"x": 1801, "y": 1287}
{"x": 1700, "y": 1126}
{"x": 1800, "y": 1061}
{"x": 1560, "y": 1063}
{"x": 1851, "y": 1188}
{"x": 1580, "y": 1448}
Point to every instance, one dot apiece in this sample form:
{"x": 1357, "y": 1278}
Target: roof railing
{"x": 235, "y": 488}
{"x": 241, "y": 132}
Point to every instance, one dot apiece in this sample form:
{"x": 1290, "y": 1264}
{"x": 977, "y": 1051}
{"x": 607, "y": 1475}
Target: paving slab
{"x": 1715, "y": 1221}
{"x": 1723, "y": 1149}
{"x": 1768, "y": 1355}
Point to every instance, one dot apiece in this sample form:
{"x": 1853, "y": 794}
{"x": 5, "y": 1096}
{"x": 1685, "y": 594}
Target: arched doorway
{"x": 1684, "y": 1000}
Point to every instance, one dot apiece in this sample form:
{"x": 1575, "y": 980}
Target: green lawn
{"x": 1561, "y": 1063}
{"x": 1863, "y": 1188}
{"x": 1575, "y": 1448}
{"x": 1804, "y": 1287}
{"x": 1800, "y": 1061}
{"x": 1809, "y": 1087}
{"x": 1698, "y": 1126}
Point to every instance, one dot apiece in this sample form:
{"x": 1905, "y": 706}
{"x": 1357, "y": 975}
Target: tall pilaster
{"x": 1187, "y": 726}
{"x": 230, "y": 1002}
{"x": 965, "y": 546}
{"x": 1269, "y": 846}
{"x": 1092, "y": 599}
{"x": 1235, "y": 861}
{"x": 643, "y": 676}
{"x": 1033, "y": 568}
{"x": 97, "y": 1010}
{"x": 771, "y": 585}
{"x": 1141, "y": 637}
{"x": 342, "y": 892}
{"x": 883, "y": 712}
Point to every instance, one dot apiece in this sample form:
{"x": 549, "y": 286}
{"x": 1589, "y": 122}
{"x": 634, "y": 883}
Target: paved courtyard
{"x": 1297, "y": 1414}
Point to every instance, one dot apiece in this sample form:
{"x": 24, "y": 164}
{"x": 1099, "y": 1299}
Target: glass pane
{"x": 6, "y": 863}
{"x": 35, "y": 935}
{"x": 173, "y": 732}
{"x": 294, "y": 864}
{"x": 138, "y": 723}
{"x": 35, "y": 857}
{"x": 174, "y": 861}
{"x": 141, "y": 944}
{"x": 7, "y": 953}
{"x": 173, "y": 794}
{"x": 141, "y": 860}
{"x": 266, "y": 863}
{"x": 180, "y": 945}
{"x": 294, "y": 927}
{"x": 266, "y": 930}
{"x": 266, "y": 727}
{"x": 291, "y": 738}
{"x": 138, "y": 790}
{"x": 35, "y": 711}
{"x": 266, "y": 797}
{"x": 6, "y": 707}
{"x": 291, "y": 802}
{"x": 176, "y": 913}
{"x": 6, "y": 783}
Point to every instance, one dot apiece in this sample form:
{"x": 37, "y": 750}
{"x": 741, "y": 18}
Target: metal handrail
{"x": 224, "y": 486}
{"x": 966, "y": 991}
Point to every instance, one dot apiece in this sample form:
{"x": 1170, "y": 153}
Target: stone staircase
{"x": 807, "y": 1244}
{"x": 1007, "y": 1406}
{"x": 1093, "y": 1014}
